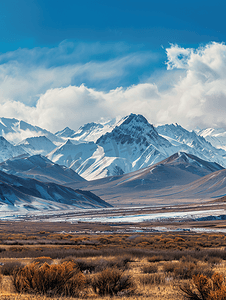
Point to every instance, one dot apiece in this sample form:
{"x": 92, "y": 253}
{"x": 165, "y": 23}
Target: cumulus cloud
{"x": 20, "y": 135}
{"x": 195, "y": 98}
{"x": 25, "y": 74}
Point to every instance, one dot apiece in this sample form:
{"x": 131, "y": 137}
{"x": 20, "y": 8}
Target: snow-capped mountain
{"x": 160, "y": 181}
{"x": 40, "y": 168}
{"x": 65, "y": 133}
{"x": 89, "y": 132}
{"x": 217, "y": 137}
{"x": 38, "y": 144}
{"x": 25, "y": 194}
{"x": 110, "y": 148}
{"x": 72, "y": 155}
{"x": 131, "y": 144}
{"x": 137, "y": 141}
{"x": 192, "y": 143}
{"x": 7, "y": 150}
{"x": 16, "y": 130}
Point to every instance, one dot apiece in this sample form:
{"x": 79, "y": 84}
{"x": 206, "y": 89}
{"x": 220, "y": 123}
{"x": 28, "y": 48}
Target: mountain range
{"x": 180, "y": 178}
{"x": 115, "y": 147}
{"x": 124, "y": 158}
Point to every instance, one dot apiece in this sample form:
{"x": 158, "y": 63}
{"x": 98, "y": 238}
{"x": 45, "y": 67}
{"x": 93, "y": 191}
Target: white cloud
{"x": 25, "y": 74}
{"x": 197, "y": 97}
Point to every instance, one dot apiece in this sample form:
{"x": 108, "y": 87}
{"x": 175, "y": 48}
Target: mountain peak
{"x": 66, "y": 132}
{"x": 68, "y": 142}
{"x": 135, "y": 118}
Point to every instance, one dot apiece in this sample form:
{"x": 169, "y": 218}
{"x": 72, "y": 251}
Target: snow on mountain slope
{"x": 131, "y": 145}
{"x": 98, "y": 166}
{"x": 40, "y": 168}
{"x": 115, "y": 147}
{"x": 7, "y": 150}
{"x": 72, "y": 155}
{"x": 217, "y": 137}
{"x": 65, "y": 133}
{"x": 162, "y": 180}
{"x": 89, "y": 132}
{"x": 137, "y": 141}
{"x": 37, "y": 145}
{"x": 88, "y": 160}
{"x": 180, "y": 168}
{"x": 19, "y": 194}
{"x": 192, "y": 143}
{"x": 15, "y": 130}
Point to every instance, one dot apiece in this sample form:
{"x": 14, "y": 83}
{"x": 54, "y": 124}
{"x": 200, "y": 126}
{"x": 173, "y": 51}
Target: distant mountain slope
{"x": 160, "y": 180}
{"x": 132, "y": 144}
{"x": 7, "y": 150}
{"x": 72, "y": 155}
{"x": 25, "y": 194}
{"x": 129, "y": 145}
{"x": 65, "y": 133}
{"x": 192, "y": 143}
{"x": 40, "y": 168}
{"x": 86, "y": 159}
{"x": 116, "y": 147}
{"x": 16, "y": 130}
{"x": 89, "y": 132}
{"x": 137, "y": 141}
{"x": 37, "y": 145}
{"x": 217, "y": 137}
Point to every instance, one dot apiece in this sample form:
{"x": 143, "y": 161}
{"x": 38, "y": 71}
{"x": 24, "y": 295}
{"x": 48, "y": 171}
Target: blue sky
{"x": 39, "y": 23}
{"x": 92, "y": 51}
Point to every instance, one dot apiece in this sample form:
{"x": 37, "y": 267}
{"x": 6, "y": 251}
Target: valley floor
{"x": 209, "y": 216}
{"x": 158, "y": 263}
{"x": 159, "y": 248}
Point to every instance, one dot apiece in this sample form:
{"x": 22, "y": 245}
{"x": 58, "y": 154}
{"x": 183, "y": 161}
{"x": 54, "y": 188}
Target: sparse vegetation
{"x": 111, "y": 282}
{"x": 142, "y": 266}
{"x": 203, "y": 288}
{"x": 57, "y": 279}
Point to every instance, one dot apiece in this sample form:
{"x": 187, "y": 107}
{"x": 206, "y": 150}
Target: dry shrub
{"x": 204, "y": 288}
{"x": 213, "y": 260}
{"x": 148, "y": 269}
{"x": 169, "y": 267}
{"x": 112, "y": 281}
{"x": 10, "y": 267}
{"x": 151, "y": 279}
{"x": 155, "y": 258}
{"x": 64, "y": 279}
{"x": 189, "y": 258}
{"x": 43, "y": 259}
{"x": 98, "y": 265}
{"x": 185, "y": 270}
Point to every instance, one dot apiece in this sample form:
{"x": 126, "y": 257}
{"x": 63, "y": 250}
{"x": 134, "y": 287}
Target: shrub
{"x": 155, "y": 258}
{"x": 148, "y": 269}
{"x": 151, "y": 279}
{"x": 64, "y": 279}
{"x": 204, "y": 288}
{"x": 98, "y": 265}
{"x": 43, "y": 259}
{"x": 111, "y": 281}
{"x": 169, "y": 267}
{"x": 185, "y": 270}
{"x": 189, "y": 258}
{"x": 10, "y": 267}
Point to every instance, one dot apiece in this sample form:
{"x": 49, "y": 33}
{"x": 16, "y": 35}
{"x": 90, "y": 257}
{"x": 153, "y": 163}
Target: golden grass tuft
{"x": 204, "y": 288}
{"x": 60, "y": 279}
{"x": 112, "y": 282}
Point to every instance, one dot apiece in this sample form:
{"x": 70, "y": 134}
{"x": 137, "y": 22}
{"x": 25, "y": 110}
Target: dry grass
{"x": 203, "y": 288}
{"x": 107, "y": 266}
{"x": 56, "y": 279}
